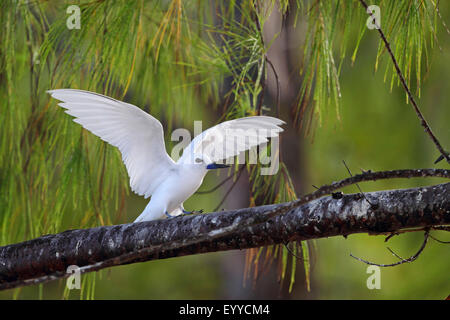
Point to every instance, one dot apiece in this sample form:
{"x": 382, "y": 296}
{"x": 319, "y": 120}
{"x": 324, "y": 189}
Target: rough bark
{"x": 47, "y": 258}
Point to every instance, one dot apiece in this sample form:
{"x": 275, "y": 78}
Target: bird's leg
{"x": 191, "y": 212}
{"x": 168, "y": 215}
{"x": 185, "y": 212}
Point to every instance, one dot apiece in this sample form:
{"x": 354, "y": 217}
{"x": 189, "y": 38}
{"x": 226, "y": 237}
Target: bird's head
{"x": 204, "y": 162}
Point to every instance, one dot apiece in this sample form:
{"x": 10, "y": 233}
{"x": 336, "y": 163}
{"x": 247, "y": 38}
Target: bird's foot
{"x": 168, "y": 215}
{"x": 192, "y": 212}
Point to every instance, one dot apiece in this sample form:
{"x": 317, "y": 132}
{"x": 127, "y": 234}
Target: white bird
{"x": 140, "y": 139}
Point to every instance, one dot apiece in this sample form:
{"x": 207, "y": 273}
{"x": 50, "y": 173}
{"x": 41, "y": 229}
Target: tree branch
{"x": 444, "y": 155}
{"x": 402, "y": 260}
{"x": 47, "y": 258}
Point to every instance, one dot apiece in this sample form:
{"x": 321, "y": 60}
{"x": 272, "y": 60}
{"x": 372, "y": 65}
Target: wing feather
{"x": 230, "y": 138}
{"x": 138, "y": 135}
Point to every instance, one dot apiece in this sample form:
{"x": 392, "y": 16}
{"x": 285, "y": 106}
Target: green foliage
{"x": 411, "y": 27}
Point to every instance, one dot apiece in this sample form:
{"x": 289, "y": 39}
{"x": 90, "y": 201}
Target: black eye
{"x": 198, "y": 160}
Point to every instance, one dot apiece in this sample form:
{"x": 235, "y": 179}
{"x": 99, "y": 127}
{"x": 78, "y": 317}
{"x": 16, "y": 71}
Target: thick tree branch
{"x": 47, "y": 258}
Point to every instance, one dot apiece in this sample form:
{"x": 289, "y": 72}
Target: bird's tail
{"x": 153, "y": 211}
{"x": 141, "y": 217}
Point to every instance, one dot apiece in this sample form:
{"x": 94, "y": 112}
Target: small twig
{"x": 369, "y": 176}
{"x": 263, "y": 82}
{"x": 440, "y": 158}
{"x": 230, "y": 189}
{"x": 396, "y": 233}
{"x": 442, "y": 228}
{"x": 439, "y": 228}
{"x": 402, "y": 261}
{"x": 278, "y": 85}
{"x": 266, "y": 58}
{"x": 423, "y": 122}
{"x": 360, "y": 191}
{"x": 436, "y": 6}
{"x": 263, "y": 90}
{"x": 216, "y": 187}
{"x": 392, "y": 251}
{"x": 399, "y": 232}
{"x": 440, "y": 241}
{"x": 286, "y": 245}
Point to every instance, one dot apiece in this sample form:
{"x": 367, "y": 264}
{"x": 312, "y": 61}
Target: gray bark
{"x": 47, "y": 257}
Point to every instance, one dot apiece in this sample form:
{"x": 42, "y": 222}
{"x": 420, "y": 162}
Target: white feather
{"x": 138, "y": 135}
{"x": 140, "y": 139}
{"x": 232, "y": 137}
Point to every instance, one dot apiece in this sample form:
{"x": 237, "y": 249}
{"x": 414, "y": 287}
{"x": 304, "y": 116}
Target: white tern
{"x": 140, "y": 139}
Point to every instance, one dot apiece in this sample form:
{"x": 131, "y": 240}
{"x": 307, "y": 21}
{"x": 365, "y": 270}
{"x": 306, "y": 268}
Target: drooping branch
{"x": 402, "y": 260}
{"x": 444, "y": 154}
{"x": 47, "y": 258}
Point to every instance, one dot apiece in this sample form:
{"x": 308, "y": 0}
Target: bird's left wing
{"x": 138, "y": 135}
{"x": 232, "y": 137}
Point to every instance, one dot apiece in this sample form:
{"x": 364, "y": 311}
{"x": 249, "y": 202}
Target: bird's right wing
{"x": 138, "y": 135}
{"x": 232, "y": 137}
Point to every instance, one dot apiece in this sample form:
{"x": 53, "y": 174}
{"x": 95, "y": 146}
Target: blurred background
{"x": 175, "y": 61}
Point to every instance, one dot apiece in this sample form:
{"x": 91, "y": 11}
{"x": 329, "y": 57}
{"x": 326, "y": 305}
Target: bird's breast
{"x": 181, "y": 185}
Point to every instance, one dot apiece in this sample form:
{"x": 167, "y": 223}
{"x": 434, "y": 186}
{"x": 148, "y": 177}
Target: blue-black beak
{"x": 216, "y": 166}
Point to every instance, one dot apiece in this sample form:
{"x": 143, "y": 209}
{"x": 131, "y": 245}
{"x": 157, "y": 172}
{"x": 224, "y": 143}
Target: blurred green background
{"x": 377, "y": 131}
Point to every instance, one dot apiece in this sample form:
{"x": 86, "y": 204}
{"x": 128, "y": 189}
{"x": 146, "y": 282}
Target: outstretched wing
{"x": 230, "y": 138}
{"x": 138, "y": 135}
